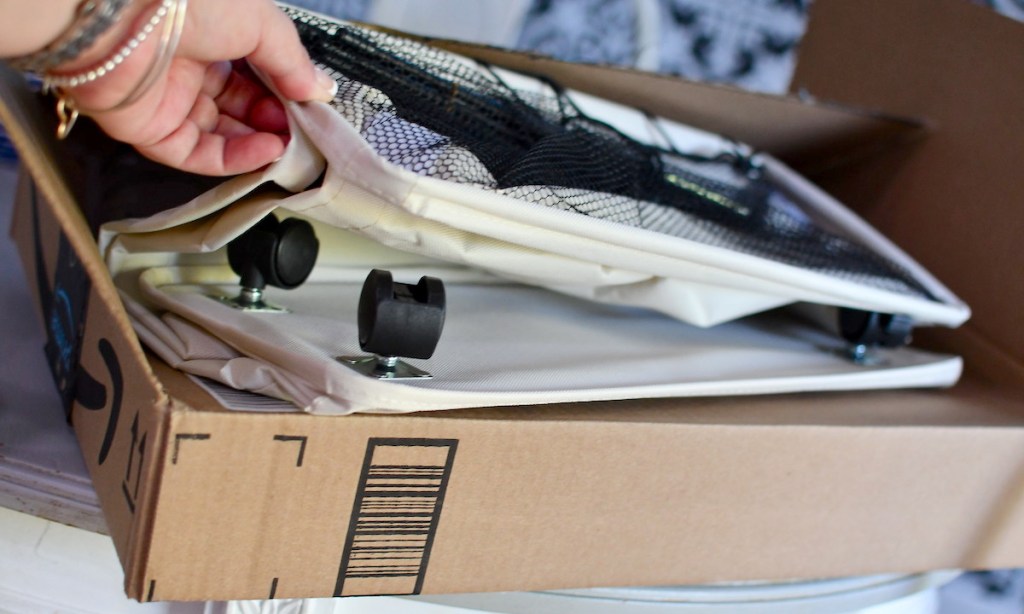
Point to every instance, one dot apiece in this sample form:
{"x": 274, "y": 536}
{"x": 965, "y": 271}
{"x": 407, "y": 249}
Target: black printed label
{"x": 64, "y": 299}
{"x": 395, "y": 516}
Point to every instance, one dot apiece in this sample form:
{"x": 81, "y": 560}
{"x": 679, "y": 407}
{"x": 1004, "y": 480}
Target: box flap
{"x": 953, "y": 201}
{"x": 807, "y": 136}
{"x": 98, "y": 362}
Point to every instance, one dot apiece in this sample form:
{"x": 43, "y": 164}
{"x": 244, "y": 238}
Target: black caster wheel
{"x": 276, "y": 253}
{"x": 866, "y": 330}
{"x": 398, "y": 321}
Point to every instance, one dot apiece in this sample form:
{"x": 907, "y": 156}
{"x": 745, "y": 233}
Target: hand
{"x": 208, "y": 113}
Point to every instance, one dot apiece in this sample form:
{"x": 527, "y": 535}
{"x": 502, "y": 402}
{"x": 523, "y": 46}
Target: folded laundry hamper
{"x": 448, "y": 234}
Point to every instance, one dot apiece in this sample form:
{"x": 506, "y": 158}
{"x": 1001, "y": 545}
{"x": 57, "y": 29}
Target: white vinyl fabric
{"x": 701, "y": 284}
{"x": 503, "y": 344}
{"x": 634, "y": 314}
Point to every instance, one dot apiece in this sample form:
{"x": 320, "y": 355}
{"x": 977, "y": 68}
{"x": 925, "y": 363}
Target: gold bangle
{"x": 172, "y": 13}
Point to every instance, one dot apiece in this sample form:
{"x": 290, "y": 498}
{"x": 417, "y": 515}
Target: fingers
{"x": 212, "y": 121}
{"x": 281, "y": 57}
{"x": 230, "y": 128}
{"x": 161, "y": 110}
{"x": 205, "y": 114}
{"x": 216, "y": 77}
{"x": 233, "y": 149}
{"x": 268, "y": 115}
{"x": 211, "y": 116}
{"x": 247, "y": 100}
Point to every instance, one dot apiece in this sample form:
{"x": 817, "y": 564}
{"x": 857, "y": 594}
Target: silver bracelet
{"x": 161, "y": 60}
{"x": 92, "y": 19}
{"x": 68, "y": 110}
{"x": 105, "y": 67}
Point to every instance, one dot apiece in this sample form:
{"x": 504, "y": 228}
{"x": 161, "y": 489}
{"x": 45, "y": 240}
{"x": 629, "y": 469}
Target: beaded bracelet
{"x": 67, "y": 108}
{"x": 92, "y": 19}
{"x": 52, "y": 81}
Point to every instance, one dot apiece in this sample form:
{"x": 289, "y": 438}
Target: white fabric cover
{"x": 561, "y": 250}
{"x": 503, "y": 344}
{"x": 507, "y": 341}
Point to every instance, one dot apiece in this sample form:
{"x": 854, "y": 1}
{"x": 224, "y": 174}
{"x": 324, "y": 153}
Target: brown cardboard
{"x": 112, "y": 359}
{"x": 533, "y": 496}
{"x": 210, "y": 504}
{"x": 956, "y": 66}
{"x": 809, "y": 137}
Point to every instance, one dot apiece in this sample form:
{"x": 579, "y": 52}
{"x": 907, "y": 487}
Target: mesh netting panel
{"x": 443, "y": 116}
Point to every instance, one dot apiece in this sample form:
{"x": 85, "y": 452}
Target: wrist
{"x": 121, "y": 70}
{"x": 107, "y": 42}
{"x": 90, "y": 20}
{"x": 23, "y": 33}
{"x": 125, "y": 49}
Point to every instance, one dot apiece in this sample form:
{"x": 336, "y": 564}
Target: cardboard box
{"x": 204, "y": 503}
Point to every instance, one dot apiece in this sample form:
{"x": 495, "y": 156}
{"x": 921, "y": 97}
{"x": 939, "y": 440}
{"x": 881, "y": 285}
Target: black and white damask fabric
{"x": 1010, "y": 8}
{"x": 749, "y": 43}
{"x": 590, "y": 31}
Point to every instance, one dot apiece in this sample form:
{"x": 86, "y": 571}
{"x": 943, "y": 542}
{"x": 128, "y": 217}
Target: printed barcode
{"x": 241, "y": 400}
{"x": 395, "y": 516}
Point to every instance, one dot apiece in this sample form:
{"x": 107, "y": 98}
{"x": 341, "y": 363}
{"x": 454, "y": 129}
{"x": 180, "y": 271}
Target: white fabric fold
{"x": 633, "y": 313}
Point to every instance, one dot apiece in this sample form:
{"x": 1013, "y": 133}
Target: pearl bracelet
{"x": 52, "y": 81}
{"x": 68, "y": 109}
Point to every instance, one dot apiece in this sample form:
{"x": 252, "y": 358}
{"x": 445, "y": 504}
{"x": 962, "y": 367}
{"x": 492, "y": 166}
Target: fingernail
{"x": 328, "y": 86}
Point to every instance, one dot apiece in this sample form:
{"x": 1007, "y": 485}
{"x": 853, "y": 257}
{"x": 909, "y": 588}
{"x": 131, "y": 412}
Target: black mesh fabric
{"x": 444, "y": 116}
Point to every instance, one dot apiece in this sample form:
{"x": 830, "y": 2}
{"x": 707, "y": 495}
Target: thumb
{"x": 280, "y": 56}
